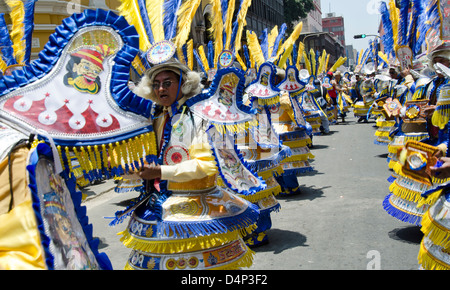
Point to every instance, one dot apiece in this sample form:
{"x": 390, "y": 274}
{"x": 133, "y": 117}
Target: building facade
{"x": 313, "y": 21}
{"x": 323, "y": 41}
{"x": 334, "y": 24}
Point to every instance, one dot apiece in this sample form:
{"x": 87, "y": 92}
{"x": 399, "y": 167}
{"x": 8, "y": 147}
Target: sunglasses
{"x": 164, "y": 84}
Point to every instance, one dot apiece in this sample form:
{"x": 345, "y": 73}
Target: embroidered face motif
{"x": 84, "y": 68}
{"x": 88, "y": 70}
{"x": 226, "y": 95}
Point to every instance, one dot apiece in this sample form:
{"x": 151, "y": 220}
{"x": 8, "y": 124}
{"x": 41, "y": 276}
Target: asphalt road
{"x": 336, "y": 223}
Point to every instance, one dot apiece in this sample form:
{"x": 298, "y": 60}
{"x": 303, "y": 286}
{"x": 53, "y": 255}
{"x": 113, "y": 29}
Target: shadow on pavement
{"x": 410, "y": 235}
{"x": 385, "y": 155}
{"x": 280, "y": 240}
{"x": 307, "y": 193}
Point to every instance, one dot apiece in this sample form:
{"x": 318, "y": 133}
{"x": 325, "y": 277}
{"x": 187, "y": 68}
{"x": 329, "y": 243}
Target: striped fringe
{"x": 171, "y": 246}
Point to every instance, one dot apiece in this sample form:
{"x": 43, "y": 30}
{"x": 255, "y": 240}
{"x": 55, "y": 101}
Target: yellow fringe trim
{"x": 440, "y": 118}
{"x": 392, "y": 163}
{"x": 236, "y": 128}
{"x": 184, "y": 245}
{"x": 397, "y": 167}
{"x": 394, "y": 148}
{"x": 113, "y": 154}
{"x": 437, "y": 233}
{"x": 299, "y": 157}
{"x": 429, "y": 262}
{"x": 269, "y": 101}
{"x": 245, "y": 261}
{"x": 408, "y": 194}
{"x": 430, "y": 199}
{"x": 260, "y": 195}
{"x": 379, "y": 133}
{"x": 385, "y": 123}
{"x": 298, "y": 143}
{"x": 278, "y": 170}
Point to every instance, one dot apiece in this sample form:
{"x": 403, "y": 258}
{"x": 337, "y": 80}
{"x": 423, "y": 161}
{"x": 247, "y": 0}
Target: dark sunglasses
{"x": 165, "y": 85}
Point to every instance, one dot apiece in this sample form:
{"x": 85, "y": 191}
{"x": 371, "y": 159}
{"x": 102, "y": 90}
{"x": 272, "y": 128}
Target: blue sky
{"x": 360, "y": 16}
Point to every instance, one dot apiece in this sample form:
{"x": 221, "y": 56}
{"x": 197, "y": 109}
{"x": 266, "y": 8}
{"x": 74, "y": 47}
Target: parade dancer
{"x": 264, "y": 93}
{"x": 405, "y": 201}
{"x": 252, "y": 130}
{"x": 51, "y": 228}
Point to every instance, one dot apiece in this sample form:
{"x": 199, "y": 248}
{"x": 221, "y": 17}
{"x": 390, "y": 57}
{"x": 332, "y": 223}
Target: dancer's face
{"x": 165, "y": 86}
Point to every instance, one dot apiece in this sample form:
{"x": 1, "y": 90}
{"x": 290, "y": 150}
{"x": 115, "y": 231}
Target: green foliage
{"x": 295, "y": 10}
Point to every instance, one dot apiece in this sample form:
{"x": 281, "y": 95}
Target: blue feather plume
{"x": 199, "y": 61}
{"x": 28, "y": 24}
{"x": 171, "y": 8}
{"x": 264, "y": 43}
{"x": 247, "y": 56}
{"x": 294, "y": 53}
{"x": 388, "y": 37}
{"x": 317, "y": 61}
{"x": 6, "y": 44}
{"x": 224, "y": 10}
{"x": 210, "y": 54}
{"x": 233, "y": 35}
{"x": 279, "y": 39}
{"x": 403, "y": 22}
{"x": 146, "y": 20}
{"x": 416, "y": 16}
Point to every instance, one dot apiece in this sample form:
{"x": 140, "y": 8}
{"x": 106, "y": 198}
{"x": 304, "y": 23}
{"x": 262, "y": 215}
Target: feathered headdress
{"x": 225, "y": 33}
{"x": 341, "y": 60}
{"x": 404, "y": 27}
{"x": 273, "y": 47}
{"x": 161, "y": 20}
{"x": 16, "y": 46}
{"x": 315, "y": 62}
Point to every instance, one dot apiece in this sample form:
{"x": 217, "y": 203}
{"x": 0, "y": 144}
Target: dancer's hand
{"x": 150, "y": 171}
{"x": 442, "y": 171}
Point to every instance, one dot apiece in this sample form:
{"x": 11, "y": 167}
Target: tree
{"x": 295, "y": 10}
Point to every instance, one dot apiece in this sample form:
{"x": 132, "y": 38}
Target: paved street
{"x": 337, "y": 222}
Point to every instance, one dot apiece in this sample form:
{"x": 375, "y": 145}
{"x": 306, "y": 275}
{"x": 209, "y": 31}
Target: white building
{"x": 313, "y": 22}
